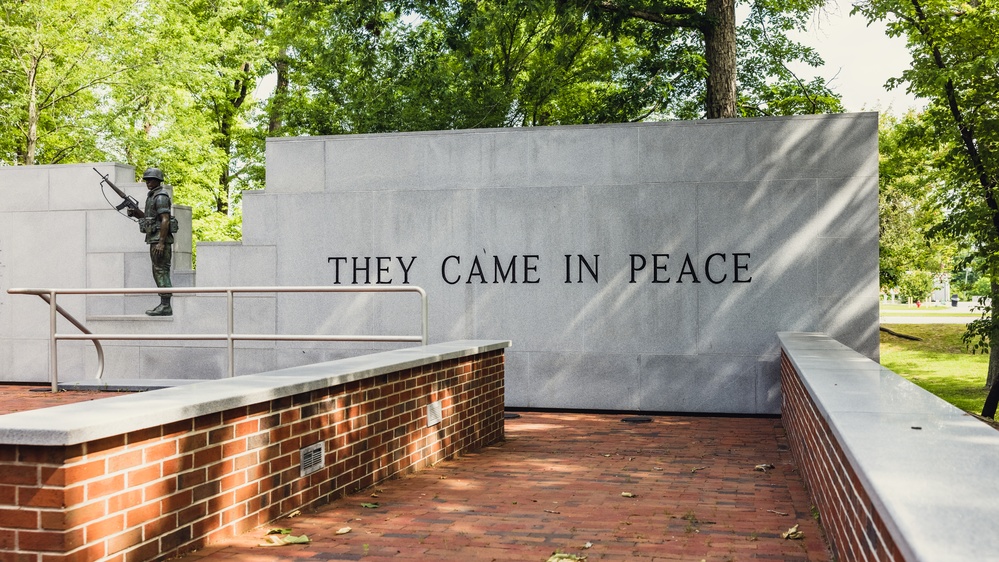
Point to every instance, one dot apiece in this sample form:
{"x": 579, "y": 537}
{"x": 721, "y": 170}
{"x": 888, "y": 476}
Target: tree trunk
{"x": 276, "y": 110}
{"x": 31, "y": 134}
{"x": 719, "y": 53}
{"x": 992, "y": 400}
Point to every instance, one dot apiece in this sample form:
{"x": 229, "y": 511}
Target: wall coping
{"x": 71, "y": 424}
{"x": 928, "y": 467}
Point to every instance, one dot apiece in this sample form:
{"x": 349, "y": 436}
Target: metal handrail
{"x": 50, "y": 295}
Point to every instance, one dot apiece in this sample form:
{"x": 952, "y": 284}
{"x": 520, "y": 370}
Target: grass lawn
{"x": 940, "y": 363}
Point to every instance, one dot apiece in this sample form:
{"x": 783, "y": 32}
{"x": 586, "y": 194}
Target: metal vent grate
{"x": 312, "y": 458}
{"x": 434, "y": 413}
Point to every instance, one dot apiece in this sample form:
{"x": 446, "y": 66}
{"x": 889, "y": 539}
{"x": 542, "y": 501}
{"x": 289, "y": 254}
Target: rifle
{"x": 126, "y": 200}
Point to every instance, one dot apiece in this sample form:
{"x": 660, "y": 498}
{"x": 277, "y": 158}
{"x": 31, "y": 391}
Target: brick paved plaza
{"x": 556, "y": 484}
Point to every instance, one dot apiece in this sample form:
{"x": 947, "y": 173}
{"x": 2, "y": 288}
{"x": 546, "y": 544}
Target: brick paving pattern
{"x": 556, "y": 485}
{"x": 22, "y": 397}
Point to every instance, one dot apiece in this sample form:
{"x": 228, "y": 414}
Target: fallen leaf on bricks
{"x": 588, "y": 545}
{"x": 277, "y": 531}
{"x": 628, "y": 495}
{"x": 370, "y": 505}
{"x": 283, "y": 539}
{"x": 343, "y": 530}
{"x": 781, "y": 513}
{"x": 793, "y": 534}
{"x": 764, "y": 467}
{"x": 555, "y": 512}
{"x": 295, "y": 513}
{"x": 696, "y": 468}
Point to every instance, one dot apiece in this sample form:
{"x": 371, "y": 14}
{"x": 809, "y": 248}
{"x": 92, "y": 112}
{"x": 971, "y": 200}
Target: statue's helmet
{"x": 153, "y": 173}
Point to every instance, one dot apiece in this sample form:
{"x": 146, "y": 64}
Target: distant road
{"x": 927, "y": 319}
{"x": 930, "y": 315}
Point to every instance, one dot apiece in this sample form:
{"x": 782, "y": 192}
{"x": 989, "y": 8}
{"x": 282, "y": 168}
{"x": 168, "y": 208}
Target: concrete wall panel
{"x": 702, "y": 240}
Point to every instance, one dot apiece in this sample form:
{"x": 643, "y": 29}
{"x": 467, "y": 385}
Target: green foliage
{"x": 954, "y": 50}
{"x": 376, "y": 66}
{"x": 910, "y": 218}
{"x": 171, "y": 83}
{"x": 915, "y": 285}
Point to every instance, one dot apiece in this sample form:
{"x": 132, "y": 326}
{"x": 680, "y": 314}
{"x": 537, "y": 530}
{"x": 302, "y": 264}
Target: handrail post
{"x": 53, "y": 351}
{"x": 229, "y": 332}
{"x": 426, "y": 317}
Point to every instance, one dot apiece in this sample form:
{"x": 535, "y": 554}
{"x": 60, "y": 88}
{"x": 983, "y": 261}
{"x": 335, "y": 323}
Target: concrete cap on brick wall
{"x": 72, "y": 424}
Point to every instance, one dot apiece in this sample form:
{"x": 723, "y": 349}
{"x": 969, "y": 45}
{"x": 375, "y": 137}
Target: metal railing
{"x": 50, "y": 296}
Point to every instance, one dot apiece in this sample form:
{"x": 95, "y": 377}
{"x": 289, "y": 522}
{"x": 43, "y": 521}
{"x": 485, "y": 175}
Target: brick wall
{"x": 852, "y": 524}
{"x": 162, "y": 491}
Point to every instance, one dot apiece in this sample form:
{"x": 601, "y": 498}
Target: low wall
{"x": 895, "y": 472}
{"x": 152, "y": 475}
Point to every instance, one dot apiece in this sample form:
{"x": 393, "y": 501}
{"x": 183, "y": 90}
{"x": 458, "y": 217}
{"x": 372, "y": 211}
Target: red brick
{"x": 143, "y": 475}
{"x": 105, "y": 445}
{"x": 127, "y": 539}
{"x": 84, "y": 471}
{"x": 207, "y": 421}
{"x": 40, "y": 497}
{"x": 160, "y": 451}
{"x": 100, "y": 530}
{"x": 144, "y": 553}
{"x": 105, "y": 486}
{"x": 220, "y": 435}
{"x": 80, "y": 515}
{"x": 124, "y": 460}
{"x": 50, "y": 541}
{"x": 8, "y": 495}
{"x": 19, "y": 518}
{"x": 41, "y": 455}
{"x": 192, "y": 442}
{"x": 208, "y": 456}
{"x": 16, "y": 474}
{"x": 159, "y": 490}
{"x": 124, "y": 501}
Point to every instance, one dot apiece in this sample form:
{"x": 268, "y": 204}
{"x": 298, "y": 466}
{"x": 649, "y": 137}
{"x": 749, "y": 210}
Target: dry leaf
{"x": 588, "y": 545}
{"x": 764, "y": 467}
{"x": 282, "y": 540}
{"x": 343, "y": 530}
{"x": 628, "y": 495}
{"x": 295, "y": 513}
{"x": 696, "y": 468}
{"x": 793, "y": 534}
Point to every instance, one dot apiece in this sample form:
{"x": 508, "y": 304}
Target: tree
{"x": 374, "y": 66}
{"x": 52, "y": 70}
{"x": 954, "y": 49}
{"x": 910, "y": 216}
{"x": 715, "y": 20}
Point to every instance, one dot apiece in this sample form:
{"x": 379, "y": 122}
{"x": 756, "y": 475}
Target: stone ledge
{"x": 927, "y": 466}
{"x": 72, "y": 424}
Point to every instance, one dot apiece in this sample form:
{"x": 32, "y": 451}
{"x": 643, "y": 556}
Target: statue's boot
{"x": 163, "y": 309}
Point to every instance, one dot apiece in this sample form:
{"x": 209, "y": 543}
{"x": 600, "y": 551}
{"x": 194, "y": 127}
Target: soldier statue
{"x": 158, "y": 225}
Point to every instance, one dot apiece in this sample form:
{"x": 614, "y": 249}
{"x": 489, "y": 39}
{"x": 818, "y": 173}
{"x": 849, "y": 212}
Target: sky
{"x": 859, "y": 60}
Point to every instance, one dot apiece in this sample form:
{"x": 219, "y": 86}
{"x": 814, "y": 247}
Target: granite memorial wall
{"x": 634, "y": 267}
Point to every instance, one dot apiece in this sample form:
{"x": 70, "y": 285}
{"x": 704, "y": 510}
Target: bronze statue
{"x": 158, "y": 225}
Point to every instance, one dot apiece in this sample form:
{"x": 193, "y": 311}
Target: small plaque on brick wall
{"x": 434, "y": 413}
{"x": 312, "y": 458}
